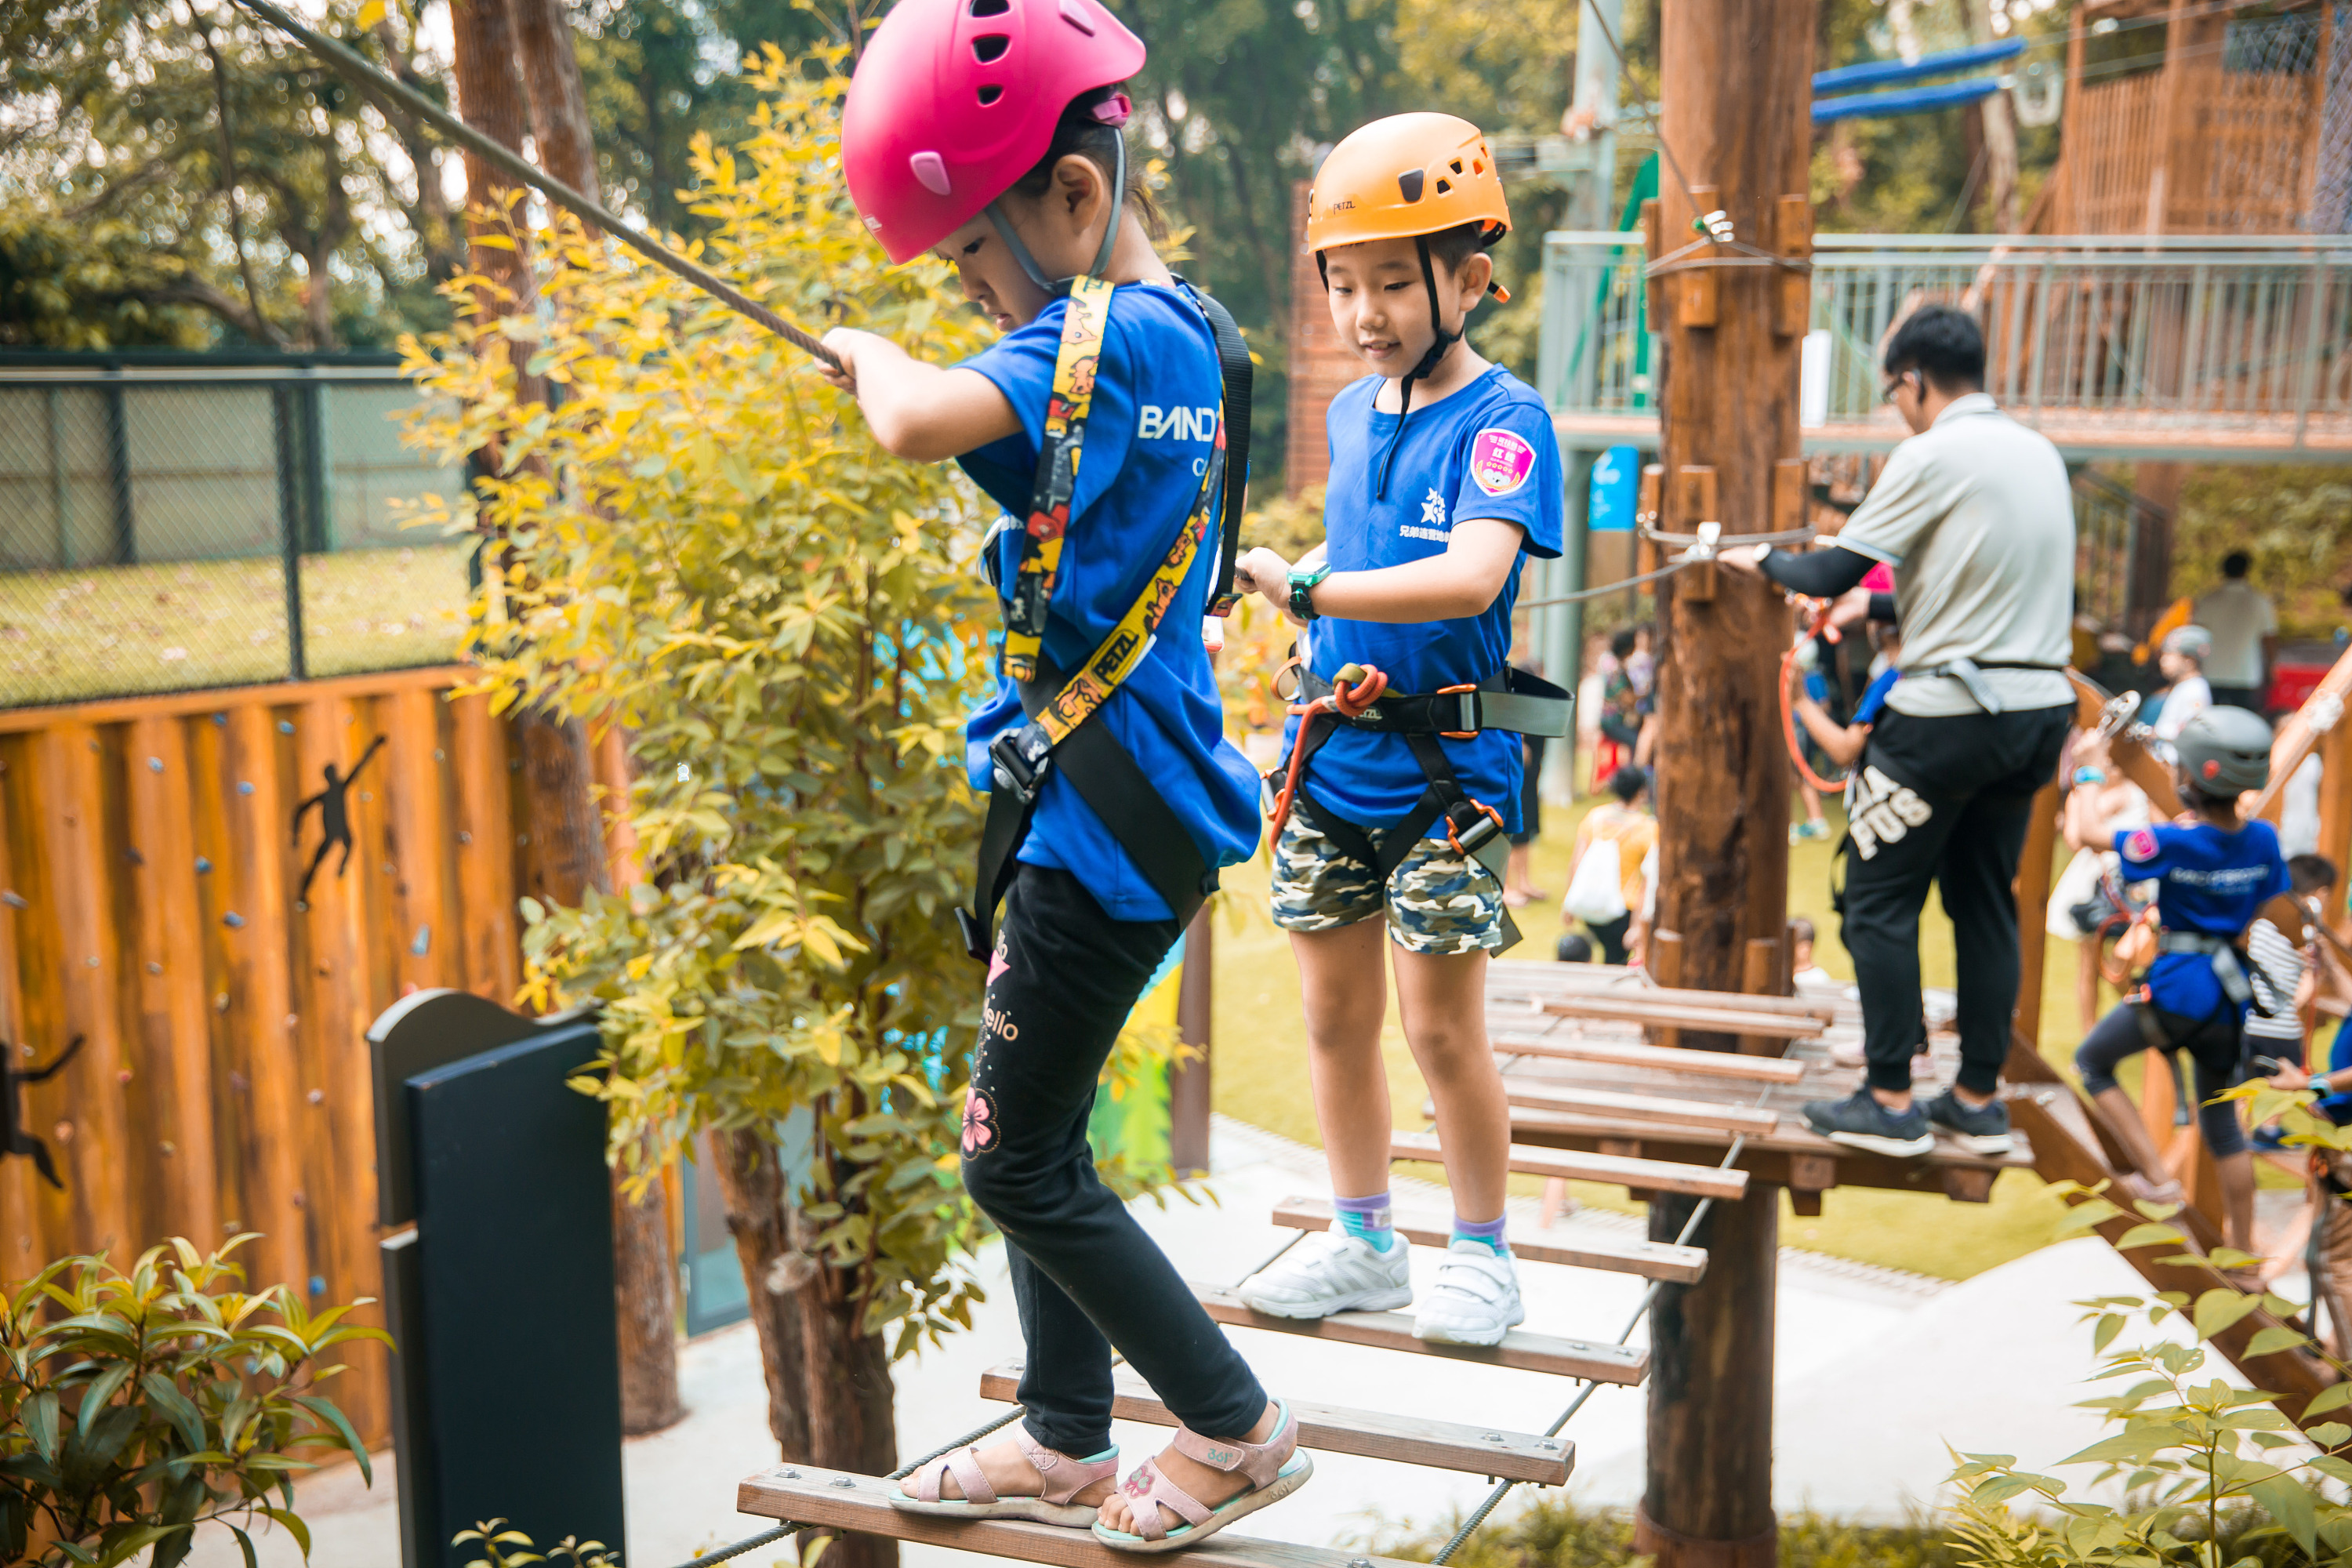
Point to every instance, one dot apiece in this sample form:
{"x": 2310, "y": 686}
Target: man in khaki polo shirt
{"x": 1975, "y": 516}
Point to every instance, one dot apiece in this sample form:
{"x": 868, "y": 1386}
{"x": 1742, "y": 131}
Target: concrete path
{"x": 1877, "y": 1372}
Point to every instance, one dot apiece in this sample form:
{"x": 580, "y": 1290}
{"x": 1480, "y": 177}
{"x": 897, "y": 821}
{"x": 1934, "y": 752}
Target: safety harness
{"x": 1970, "y": 673}
{"x": 1060, "y": 731}
{"x": 1509, "y": 700}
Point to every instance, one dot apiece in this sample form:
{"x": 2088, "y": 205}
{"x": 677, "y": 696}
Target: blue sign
{"x": 1616, "y": 490}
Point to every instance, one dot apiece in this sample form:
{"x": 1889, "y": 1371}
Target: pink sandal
{"x": 1065, "y": 1479}
{"x": 1275, "y": 1469}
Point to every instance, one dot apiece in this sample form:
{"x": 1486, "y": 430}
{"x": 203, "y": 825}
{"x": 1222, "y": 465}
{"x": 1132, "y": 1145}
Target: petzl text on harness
{"x": 1509, "y": 700}
{"x": 1058, "y": 734}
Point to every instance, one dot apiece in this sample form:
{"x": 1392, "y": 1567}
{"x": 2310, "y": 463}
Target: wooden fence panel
{"x": 188, "y": 888}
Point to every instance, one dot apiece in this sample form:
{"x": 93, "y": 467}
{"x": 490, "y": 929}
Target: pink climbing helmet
{"x": 955, "y": 99}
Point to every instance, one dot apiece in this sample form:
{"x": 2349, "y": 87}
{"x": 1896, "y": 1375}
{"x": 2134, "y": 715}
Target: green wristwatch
{"x": 1303, "y": 581}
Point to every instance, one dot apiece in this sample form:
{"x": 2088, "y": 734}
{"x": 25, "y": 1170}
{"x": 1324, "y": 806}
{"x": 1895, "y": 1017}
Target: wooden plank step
{"x": 1649, "y": 1259}
{"x": 1617, "y": 1170}
{"x": 1724, "y": 1018}
{"x": 1640, "y": 1107}
{"x": 1623, "y": 1364}
{"x": 1507, "y": 979}
{"x": 1336, "y": 1429}
{"x": 1665, "y": 1059}
{"x": 804, "y": 1494}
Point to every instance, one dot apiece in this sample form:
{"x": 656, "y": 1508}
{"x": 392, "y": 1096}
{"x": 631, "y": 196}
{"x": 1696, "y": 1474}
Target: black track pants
{"x": 1943, "y": 801}
{"x": 1085, "y": 1275}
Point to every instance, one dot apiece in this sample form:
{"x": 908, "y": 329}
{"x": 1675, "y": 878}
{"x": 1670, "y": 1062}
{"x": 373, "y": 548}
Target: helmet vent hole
{"x": 991, "y": 8}
{"x": 1443, "y": 184}
{"x": 989, "y": 48}
{"x": 1457, "y": 165}
{"x": 1478, "y": 167}
{"x": 989, "y": 93}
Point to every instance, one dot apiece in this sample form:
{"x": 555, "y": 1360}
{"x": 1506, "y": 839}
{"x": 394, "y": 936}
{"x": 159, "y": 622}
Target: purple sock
{"x": 1488, "y": 1231}
{"x": 1367, "y": 1219}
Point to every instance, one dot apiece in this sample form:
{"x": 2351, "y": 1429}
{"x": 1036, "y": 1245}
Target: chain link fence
{"x": 171, "y": 522}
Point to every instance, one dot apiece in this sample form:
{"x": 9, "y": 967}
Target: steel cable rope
{"x": 372, "y": 82}
{"x": 769, "y": 1537}
{"x": 1649, "y": 1299}
{"x": 1696, "y": 547}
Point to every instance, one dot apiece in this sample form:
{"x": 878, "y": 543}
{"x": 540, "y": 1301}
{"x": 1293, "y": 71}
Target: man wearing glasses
{"x": 1975, "y": 515}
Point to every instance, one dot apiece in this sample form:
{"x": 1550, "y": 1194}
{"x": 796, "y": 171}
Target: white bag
{"x": 1596, "y": 894}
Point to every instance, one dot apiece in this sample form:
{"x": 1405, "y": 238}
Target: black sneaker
{"x": 1981, "y": 1128}
{"x": 1860, "y": 1120}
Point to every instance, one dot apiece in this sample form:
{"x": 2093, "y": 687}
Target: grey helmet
{"x": 2224, "y": 751}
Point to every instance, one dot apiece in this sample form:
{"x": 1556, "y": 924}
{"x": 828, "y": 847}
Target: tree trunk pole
{"x": 1735, "y": 91}
{"x": 559, "y": 101}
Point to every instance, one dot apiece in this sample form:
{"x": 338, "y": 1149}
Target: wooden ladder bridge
{"x": 1608, "y": 1082}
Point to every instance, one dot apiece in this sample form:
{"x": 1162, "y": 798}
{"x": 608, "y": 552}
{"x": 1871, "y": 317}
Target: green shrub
{"x": 504, "y": 1548}
{"x": 136, "y": 1407}
{"x": 1557, "y": 1531}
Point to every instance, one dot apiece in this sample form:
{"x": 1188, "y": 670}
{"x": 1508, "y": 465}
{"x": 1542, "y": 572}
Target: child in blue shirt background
{"x": 2214, "y": 870}
{"x": 1445, "y": 476}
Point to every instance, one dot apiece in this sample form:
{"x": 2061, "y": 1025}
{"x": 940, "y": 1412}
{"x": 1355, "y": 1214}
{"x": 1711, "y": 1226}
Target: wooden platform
{"x": 1592, "y": 1086}
{"x": 804, "y": 1494}
{"x": 1336, "y": 1429}
{"x": 1650, "y": 1259}
{"x": 1622, "y": 1365}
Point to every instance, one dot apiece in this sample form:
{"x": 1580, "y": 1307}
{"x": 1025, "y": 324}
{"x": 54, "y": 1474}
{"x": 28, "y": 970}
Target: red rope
{"x": 1821, "y": 627}
{"x": 1352, "y": 696}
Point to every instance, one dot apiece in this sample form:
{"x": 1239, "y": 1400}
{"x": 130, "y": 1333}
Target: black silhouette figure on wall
{"x": 13, "y": 1139}
{"x": 334, "y": 818}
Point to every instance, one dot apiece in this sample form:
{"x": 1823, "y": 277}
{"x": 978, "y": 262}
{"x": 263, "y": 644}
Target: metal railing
{"x": 177, "y": 522}
{"x": 2216, "y": 344}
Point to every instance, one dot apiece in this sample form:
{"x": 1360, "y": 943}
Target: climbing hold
{"x": 318, "y": 1285}
{"x": 423, "y": 942}
{"x": 233, "y": 920}
{"x": 153, "y": 967}
{"x": 14, "y": 900}
{"x": 245, "y": 786}
{"x": 202, "y": 865}
{"x": 154, "y": 764}
{"x": 286, "y": 726}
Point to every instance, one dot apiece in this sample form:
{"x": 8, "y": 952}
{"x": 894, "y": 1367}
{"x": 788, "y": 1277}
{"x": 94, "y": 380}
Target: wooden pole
{"x": 1735, "y": 88}
{"x": 1188, "y": 1082}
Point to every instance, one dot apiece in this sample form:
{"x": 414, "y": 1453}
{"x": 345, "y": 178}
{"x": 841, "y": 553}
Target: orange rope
{"x": 1352, "y": 695}
{"x": 1788, "y": 703}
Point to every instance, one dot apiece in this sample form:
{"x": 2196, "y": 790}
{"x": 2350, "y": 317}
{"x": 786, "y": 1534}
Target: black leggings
{"x": 2123, "y": 1033}
{"x": 1085, "y": 1275}
{"x": 1609, "y": 937}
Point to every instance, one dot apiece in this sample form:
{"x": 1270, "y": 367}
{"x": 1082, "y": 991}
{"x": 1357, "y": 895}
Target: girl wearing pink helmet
{"x": 988, "y": 132}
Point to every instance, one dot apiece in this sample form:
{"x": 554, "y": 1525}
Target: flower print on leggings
{"x": 979, "y": 1124}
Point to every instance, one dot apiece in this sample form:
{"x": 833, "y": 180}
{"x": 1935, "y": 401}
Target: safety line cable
{"x": 372, "y": 82}
{"x": 1649, "y": 1299}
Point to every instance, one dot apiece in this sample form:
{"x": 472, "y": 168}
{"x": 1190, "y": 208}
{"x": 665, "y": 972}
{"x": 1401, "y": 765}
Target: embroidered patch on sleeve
{"x": 1501, "y": 460}
{"x": 2138, "y": 845}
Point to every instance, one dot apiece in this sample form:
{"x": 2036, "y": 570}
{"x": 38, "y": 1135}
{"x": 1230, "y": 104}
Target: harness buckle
{"x": 974, "y": 932}
{"x": 1484, "y": 822}
{"x": 1020, "y": 760}
{"x": 1469, "y": 713}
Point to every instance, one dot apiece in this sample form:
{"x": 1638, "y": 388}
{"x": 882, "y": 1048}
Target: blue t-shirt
{"x": 1487, "y": 451}
{"x": 2209, "y": 881}
{"x": 1150, "y": 436}
{"x": 1873, "y": 698}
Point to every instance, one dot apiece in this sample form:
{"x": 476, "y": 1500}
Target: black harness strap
{"x": 1509, "y": 699}
{"x": 1233, "y": 362}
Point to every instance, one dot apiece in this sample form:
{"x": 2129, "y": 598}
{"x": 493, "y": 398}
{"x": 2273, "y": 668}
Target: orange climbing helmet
{"x": 1405, "y": 177}
{"x": 1408, "y": 177}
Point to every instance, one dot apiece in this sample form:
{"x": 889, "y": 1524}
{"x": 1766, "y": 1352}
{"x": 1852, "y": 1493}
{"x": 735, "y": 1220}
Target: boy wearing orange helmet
{"x": 1445, "y": 475}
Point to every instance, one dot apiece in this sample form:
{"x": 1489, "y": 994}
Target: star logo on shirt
{"x": 1433, "y": 509}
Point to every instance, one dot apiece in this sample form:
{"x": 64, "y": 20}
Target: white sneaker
{"x": 1330, "y": 1272}
{"x": 1475, "y": 1301}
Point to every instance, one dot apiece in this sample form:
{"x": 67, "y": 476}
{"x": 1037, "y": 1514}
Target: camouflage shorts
{"x": 1437, "y": 902}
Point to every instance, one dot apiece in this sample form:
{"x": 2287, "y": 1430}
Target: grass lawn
{"x": 119, "y": 631}
{"x": 1261, "y": 1068}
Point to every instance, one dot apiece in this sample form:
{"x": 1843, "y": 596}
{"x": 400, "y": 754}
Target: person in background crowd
{"x": 1630, "y": 832}
{"x": 2245, "y": 628}
{"x": 1805, "y": 975}
{"x": 2188, "y": 695}
{"x": 2215, "y": 873}
{"x": 1642, "y": 664}
{"x": 2299, "y": 823}
{"x": 2082, "y": 906}
{"x": 2276, "y": 1041}
{"x": 1842, "y": 743}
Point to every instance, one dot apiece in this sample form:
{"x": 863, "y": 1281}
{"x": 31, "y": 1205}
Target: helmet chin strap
{"x": 1426, "y": 368}
{"x": 1055, "y": 287}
